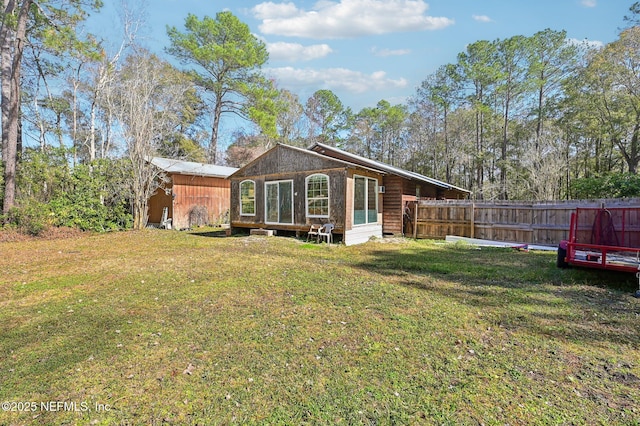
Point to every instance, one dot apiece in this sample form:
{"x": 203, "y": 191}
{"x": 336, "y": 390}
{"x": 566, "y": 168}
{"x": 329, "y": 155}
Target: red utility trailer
{"x": 605, "y": 238}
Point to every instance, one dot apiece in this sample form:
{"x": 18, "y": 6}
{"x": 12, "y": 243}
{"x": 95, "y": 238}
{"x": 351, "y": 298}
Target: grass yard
{"x": 167, "y": 327}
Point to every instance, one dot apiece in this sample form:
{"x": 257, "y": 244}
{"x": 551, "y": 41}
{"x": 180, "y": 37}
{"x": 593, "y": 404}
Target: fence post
{"x": 415, "y": 220}
{"x": 473, "y": 220}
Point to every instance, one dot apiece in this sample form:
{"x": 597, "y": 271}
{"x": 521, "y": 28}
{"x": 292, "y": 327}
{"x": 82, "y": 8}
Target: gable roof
{"x": 191, "y": 168}
{"x": 284, "y": 158}
{"x": 340, "y": 157}
{"x": 377, "y": 165}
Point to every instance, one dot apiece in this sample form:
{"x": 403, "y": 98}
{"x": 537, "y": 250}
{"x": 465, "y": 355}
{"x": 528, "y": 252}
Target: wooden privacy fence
{"x": 544, "y": 223}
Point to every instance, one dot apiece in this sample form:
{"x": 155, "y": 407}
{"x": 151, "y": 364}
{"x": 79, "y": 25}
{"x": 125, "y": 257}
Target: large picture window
{"x": 365, "y": 200}
{"x": 247, "y": 198}
{"x": 318, "y": 196}
{"x": 279, "y": 202}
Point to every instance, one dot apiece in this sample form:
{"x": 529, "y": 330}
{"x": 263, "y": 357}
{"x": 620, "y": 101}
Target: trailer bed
{"x": 603, "y": 238}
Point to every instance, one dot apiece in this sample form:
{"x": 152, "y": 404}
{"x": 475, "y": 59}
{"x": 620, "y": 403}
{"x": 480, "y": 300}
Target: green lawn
{"x": 162, "y": 327}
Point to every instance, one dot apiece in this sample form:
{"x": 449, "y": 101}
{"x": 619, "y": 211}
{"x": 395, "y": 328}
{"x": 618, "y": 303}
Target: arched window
{"x": 247, "y": 198}
{"x": 317, "y": 196}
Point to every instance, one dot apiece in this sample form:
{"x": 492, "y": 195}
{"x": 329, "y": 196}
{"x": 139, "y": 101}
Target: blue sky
{"x": 368, "y": 50}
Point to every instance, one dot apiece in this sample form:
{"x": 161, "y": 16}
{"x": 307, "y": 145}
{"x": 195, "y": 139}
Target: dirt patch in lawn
{"x": 53, "y": 233}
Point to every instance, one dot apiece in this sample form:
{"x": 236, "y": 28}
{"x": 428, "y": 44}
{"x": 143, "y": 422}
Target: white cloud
{"x": 589, "y": 3}
{"x": 593, "y": 44}
{"x": 482, "y": 18}
{"x": 282, "y": 51}
{"x": 390, "y": 52}
{"x": 335, "y": 79}
{"x": 347, "y": 18}
{"x": 270, "y": 10}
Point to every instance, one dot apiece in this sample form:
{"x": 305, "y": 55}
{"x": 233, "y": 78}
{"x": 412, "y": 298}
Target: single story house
{"x": 289, "y": 188}
{"x": 196, "y": 194}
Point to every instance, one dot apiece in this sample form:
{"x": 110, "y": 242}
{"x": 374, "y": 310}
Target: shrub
{"x": 198, "y": 216}
{"x": 87, "y": 196}
{"x": 612, "y": 185}
{"x": 31, "y": 217}
{"x": 94, "y": 203}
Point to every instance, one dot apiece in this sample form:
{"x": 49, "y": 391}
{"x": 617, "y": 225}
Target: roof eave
{"x": 390, "y": 169}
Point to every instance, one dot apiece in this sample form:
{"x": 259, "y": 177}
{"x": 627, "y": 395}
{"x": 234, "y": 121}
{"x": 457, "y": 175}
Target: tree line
{"x": 528, "y": 117}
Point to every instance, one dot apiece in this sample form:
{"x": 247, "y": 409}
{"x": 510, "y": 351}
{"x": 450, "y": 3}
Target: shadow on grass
{"x": 60, "y": 343}
{"x": 221, "y": 233}
{"x": 518, "y": 290}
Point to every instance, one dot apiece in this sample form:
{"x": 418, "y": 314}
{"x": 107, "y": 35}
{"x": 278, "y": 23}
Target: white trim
{"x": 266, "y": 210}
{"x": 362, "y": 233}
{"x": 306, "y": 196}
{"x": 254, "y": 197}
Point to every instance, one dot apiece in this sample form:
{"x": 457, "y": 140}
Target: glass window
{"x": 271, "y": 203}
{"x": 318, "y": 196}
{"x": 365, "y": 200}
{"x": 359, "y": 200}
{"x": 247, "y": 198}
{"x": 372, "y": 200}
{"x": 285, "y": 194}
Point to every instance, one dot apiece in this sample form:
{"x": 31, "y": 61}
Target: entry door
{"x": 279, "y": 202}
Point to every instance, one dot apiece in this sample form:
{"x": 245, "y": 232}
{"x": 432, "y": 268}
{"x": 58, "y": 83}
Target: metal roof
{"x": 324, "y": 149}
{"x": 191, "y": 168}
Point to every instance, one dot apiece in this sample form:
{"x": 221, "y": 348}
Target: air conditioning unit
{"x": 381, "y": 189}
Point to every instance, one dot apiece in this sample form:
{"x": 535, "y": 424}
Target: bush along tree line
{"x": 529, "y": 117}
{"x": 86, "y": 196}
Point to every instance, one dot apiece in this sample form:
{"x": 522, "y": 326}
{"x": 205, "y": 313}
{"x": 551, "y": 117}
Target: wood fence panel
{"x": 544, "y": 223}
{"x": 442, "y": 220}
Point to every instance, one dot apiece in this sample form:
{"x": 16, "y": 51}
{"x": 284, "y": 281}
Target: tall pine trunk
{"x": 12, "y": 43}
{"x": 213, "y": 144}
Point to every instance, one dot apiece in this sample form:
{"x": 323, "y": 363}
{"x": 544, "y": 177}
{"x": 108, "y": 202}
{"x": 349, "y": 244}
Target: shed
{"x": 196, "y": 193}
{"x": 289, "y": 188}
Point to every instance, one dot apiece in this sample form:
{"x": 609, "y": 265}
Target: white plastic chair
{"x": 165, "y": 222}
{"x": 326, "y": 232}
{"x": 313, "y": 232}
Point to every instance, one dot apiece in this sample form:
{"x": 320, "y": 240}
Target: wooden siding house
{"x": 399, "y": 186}
{"x": 196, "y": 193}
{"x": 289, "y": 188}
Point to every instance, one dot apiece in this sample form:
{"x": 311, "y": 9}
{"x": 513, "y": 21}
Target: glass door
{"x": 279, "y": 202}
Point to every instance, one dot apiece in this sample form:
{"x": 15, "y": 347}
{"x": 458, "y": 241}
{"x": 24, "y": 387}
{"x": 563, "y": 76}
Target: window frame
{"x": 242, "y": 213}
{"x": 308, "y": 199}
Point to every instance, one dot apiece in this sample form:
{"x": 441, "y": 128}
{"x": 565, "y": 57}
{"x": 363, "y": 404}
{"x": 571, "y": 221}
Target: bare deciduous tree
{"x": 544, "y": 166}
{"x": 146, "y": 100}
